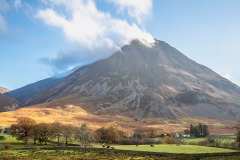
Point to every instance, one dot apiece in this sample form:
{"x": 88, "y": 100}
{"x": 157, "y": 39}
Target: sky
{"x": 44, "y": 38}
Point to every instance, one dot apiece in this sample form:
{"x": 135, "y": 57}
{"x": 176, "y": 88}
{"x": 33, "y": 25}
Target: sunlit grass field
{"x": 193, "y": 140}
{"x": 173, "y": 148}
{"x": 39, "y": 152}
{"x": 9, "y": 138}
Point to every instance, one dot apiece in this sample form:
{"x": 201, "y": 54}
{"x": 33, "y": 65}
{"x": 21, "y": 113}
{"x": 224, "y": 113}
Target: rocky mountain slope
{"x": 147, "y": 80}
{"x": 8, "y": 104}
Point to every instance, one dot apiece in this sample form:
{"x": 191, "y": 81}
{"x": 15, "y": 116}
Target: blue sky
{"x": 39, "y": 39}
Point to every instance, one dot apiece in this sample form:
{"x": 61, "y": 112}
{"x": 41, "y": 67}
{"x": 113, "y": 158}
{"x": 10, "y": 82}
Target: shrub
{"x": 217, "y": 143}
{"x": 203, "y": 143}
{"x": 162, "y": 135}
{"x": 36, "y": 148}
{"x": 129, "y": 141}
{"x": 126, "y": 141}
{"x": 147, "y": 141}
{"x": 211, "y": 140}
{"x": 192, "y": 143}
{"x": 168, "y": 140}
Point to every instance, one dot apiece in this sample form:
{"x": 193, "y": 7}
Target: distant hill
{"x": 147, "y": 80}
{"x": 24, "y": 93}
{"x": 3, "y": 90}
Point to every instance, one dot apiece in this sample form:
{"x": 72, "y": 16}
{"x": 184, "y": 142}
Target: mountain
{"x": 147, "y": 80}
{"x": 8, "y": 104}
{"x": 25, "y": 93}
{"x": 3, "y": 90}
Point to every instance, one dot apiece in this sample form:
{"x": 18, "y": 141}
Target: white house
{"x": 177, "y": 135}
{"x": 186, "y": 136}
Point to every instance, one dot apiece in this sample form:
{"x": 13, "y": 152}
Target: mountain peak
{"x": 144, "y": 42}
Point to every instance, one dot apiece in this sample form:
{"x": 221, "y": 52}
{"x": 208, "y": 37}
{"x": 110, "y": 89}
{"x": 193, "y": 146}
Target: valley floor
{"x": 17, "y": 150}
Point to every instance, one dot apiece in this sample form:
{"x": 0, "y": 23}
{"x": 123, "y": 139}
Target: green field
{"x": 193, "y": 140}
{"x": 39, "y": 152}
{"x": 12, "y": 141}
{"x": 10, "y": 138}
{"x": 173, "y": 148}
{"x": 93, "y": 155}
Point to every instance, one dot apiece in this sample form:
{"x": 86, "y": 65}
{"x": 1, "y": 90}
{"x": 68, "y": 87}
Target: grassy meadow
{"x": 41, "y": 154}
{"x": 173, "y": 148}
{"x": 37, "y": 152}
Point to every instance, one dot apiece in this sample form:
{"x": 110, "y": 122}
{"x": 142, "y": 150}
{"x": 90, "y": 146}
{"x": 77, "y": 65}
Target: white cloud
{"x": 85, "y": 24}
{"x": 97, "y": 32}
{"x": 227, "y": 76}
{"x": 17, "y": 4}
{"x": 4, "y": 6}
{"x": 3, "y": 24}
{"x": 230, "y": 78}
{"x": 137, "y": 9}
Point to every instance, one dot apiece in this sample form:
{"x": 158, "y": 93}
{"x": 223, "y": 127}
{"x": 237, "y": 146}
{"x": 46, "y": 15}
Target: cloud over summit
{"x": 96, "y": 32}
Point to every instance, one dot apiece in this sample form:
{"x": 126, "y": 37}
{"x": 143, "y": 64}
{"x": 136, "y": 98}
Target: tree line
{"x": 199, "y": 130}
{"x": 27, "y": 129}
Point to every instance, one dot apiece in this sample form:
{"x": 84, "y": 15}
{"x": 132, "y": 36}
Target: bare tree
{"x": 43, "y": 131}
{"x": 68, "y": 133}
{"x": 57, "y": 129}
{"x": 84, "y": 135}
{"x": 151, "y": 132}
{"x": 109, "y": 135}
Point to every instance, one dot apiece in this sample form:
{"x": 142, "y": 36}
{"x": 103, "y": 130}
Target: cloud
{"x": 63, "y": 60}
{"x": 96, "y": 32}
{"x": 4, "y": 6}
{"x": 3, "y": 25}
{"x": 17, "y": 4}
{"x": 66, "y": 60}
{"x": 230, "y": 78}
{"x": 138, "y": 9}
{"x": 227, "y": 76}
{"x": 89, "y": 26}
